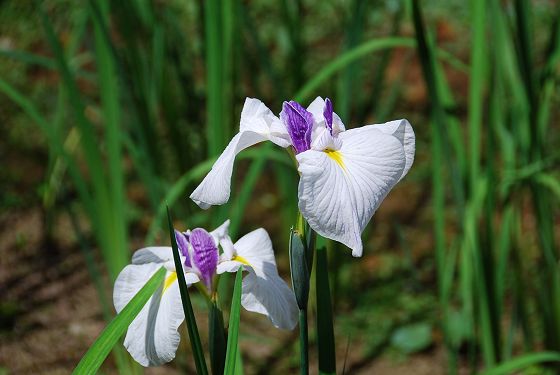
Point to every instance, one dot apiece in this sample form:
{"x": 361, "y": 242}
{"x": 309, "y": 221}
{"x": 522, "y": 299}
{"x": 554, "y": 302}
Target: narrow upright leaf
{"x": 233, "y": 329}
{"x": 325, "y": 332}
{"x": 217, "y": 338}
{"x": 192, "y": 328}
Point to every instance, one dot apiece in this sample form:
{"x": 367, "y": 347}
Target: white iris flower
{"x": 152, "y": 338}
{"x": 344, "y": 174}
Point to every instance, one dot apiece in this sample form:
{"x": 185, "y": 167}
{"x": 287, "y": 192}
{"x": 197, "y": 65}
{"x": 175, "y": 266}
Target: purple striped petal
{"x": 205, "y": 254}
{"x": 183, "y": 245}
{"x": 328, "y": 114}
{"x": 299, "y": 123}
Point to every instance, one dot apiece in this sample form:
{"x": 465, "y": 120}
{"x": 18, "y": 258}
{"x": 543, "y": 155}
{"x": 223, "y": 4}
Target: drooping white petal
{"x": 339, "y": 191}
{"x": 152, "y": 338}
{"x": 269, "y": 295}
{"x": 215, "y": 188}
{"x": 405, "y": 134}
{"x": 153, "y": 254}
{"x": 263, "y": 289}
{"x": 257, "y": 124}
{"x": 256, "y": 117}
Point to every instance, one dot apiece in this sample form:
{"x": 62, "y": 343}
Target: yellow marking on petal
{"x": 240, "y": 259}
{"x": 169, "y": 280}
{"x": 336, "y": 156}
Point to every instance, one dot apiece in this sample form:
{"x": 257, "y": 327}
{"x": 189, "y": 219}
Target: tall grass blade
{"x": 112, "y": 117}
{"x": 233, "y": 329}
{"x": 214, "y": 76}
{"x": 517, "y": 364}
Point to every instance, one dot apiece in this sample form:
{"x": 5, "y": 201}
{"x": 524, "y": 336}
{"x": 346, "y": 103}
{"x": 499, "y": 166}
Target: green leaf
{"x": 325, "y": 331}
{"x": 522, "y": 362}
{"x": 412, "y": 338}
{"x": 192, "y": 328}
{"x": 97, "y": 353}
{"x": 548, "y": 181}
{"x": 233, "y": 334}
{"x": 217, "y": 338}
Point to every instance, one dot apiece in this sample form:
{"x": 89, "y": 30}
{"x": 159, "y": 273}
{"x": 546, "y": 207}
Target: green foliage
{"x": 217, "y": 339}
{"x": 233, "y": 328}
{"x": 148, "y": 94}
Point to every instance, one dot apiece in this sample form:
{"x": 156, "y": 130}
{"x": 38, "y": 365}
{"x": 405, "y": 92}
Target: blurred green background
{"x": 110, "y": 109}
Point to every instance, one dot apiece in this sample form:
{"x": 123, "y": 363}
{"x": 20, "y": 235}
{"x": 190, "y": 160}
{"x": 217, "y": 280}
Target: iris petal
{"x": 339, "y": 202}
{"x": 205, "y": 254}
{"x": 328, "y": 115}
{"x": 152, "y": 338}
{"x": 257, "y": 124}
{"x": 263, "y": 290}
{"x": 299, "y": 123}
{"x": 402, "y": 130}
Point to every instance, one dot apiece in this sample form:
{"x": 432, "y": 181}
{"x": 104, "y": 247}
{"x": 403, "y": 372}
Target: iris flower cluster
{"x": 344, "y": 177}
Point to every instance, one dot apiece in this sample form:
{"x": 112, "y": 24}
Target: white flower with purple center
{"x": 152, "y": 338}
{"x": 344, "y": 174}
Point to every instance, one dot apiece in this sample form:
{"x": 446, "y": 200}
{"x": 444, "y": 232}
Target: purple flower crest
{"x": 205, "y": 254}
{"x": 299, "y": 123}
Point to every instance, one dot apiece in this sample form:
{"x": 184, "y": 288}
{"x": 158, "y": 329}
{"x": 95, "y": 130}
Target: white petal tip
{"x": 200, "y": 203}
{"x": 357, "y": 252}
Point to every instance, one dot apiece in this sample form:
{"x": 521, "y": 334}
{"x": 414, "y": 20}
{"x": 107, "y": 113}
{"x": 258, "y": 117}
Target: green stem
{"x": 303, "y": 342}
{"x": 300, "y": 274}
{"x": 325, "y": 331}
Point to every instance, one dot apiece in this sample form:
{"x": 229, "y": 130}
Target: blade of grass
{"x": 524, "y": 361}
{"x": 54, "y": 142}
{"x": 101, "y": 215}
{"x": 192, "y": 328}
{"x": 440, "y": 150}
{"x": 346, "y": 92}
{"x": 96, "y": 354}
{"x": 214, "y": 77}
{"x": 109, "y": 92}
{"x": 233, "y": 328}
{"x": 347, "y": 58}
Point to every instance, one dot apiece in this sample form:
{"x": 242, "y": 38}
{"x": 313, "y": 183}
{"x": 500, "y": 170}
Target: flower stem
{"x": 303, "y": 342}
{"x": 325, "y": 331}
{"x": 300, "y": 273}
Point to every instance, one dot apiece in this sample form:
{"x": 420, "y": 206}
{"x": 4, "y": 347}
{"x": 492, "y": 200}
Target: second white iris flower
{"x": 345, "y": 174}
{"x": 152, "y": 338}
